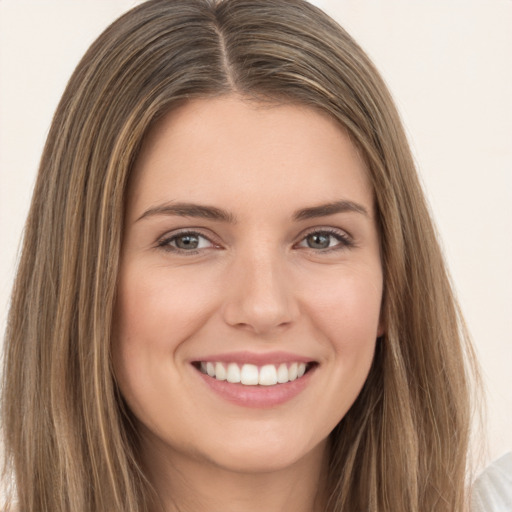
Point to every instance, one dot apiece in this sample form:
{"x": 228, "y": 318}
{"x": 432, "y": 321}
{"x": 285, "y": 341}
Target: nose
{"x": 259, "y": 296}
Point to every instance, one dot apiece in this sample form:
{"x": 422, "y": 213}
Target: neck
{"x": 185, "y": 484}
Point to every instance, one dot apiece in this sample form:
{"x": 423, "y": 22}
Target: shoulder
{"x": 492, "y": 490}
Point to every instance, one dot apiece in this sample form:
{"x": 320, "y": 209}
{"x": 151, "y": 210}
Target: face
{"x": 250, "y": 254}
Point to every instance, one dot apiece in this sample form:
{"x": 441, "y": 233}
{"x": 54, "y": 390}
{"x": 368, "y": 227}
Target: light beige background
{"x": 448, "y": 65}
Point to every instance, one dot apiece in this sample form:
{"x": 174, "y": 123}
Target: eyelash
{"x": 345, "y": 241}
{"x": 166, "y": 241}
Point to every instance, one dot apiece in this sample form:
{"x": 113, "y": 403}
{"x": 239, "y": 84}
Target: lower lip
{"x": 257, "y": 396}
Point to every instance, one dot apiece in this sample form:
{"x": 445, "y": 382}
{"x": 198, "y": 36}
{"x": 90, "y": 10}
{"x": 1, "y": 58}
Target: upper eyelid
{"x": 326, "y": 229}
{"x": 199, "y": 231}
{"x": 169, "y": 235}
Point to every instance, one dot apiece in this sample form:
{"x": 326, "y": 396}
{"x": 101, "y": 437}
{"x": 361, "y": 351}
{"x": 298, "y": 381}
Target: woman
{"x": 227, "y": 194}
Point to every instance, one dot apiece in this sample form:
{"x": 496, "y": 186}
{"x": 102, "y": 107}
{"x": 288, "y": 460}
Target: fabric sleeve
{"x": 492, "y": 490}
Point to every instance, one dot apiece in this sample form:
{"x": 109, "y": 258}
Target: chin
{"x": 267, "y": 455}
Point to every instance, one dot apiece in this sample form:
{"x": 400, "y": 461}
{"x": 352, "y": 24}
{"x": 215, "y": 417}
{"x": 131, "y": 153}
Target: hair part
{"x": 69, "y": 440}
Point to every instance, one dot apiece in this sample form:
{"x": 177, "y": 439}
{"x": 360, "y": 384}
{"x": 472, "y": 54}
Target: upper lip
{"x": 258, "y": 359}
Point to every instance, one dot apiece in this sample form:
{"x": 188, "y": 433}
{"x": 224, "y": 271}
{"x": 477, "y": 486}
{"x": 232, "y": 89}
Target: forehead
{"x": 217, "y": 150}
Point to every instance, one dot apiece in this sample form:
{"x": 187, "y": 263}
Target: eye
{"x": 326, "y": 240}
{"x": 186, "y": 241}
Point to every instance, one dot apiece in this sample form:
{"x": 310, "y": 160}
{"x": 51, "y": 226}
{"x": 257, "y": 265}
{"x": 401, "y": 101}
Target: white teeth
{"x": 252, "y": 375}
{"x": 268, "y": 375}
{"x": 249, "y": 375}
{"x": 233, "y": 373}
{"x": 220, "y": 371}
{"x": 282, "y": 373}
{"x": 292, "y": 372}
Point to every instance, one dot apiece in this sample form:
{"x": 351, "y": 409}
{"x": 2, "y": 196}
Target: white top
{"x": 492, "y": 491}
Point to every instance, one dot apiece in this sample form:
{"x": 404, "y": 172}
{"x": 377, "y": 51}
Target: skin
{"x": 259, "y": 284}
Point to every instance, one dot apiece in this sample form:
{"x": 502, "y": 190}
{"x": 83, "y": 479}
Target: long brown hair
{"x": 69, "y": 441}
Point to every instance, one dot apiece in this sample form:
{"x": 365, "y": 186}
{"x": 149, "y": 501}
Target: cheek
{"x": 345, "y": 312}
{"x": 346, "y": 306}
{"x": 157, "y": 311}
{"x": 154, "y": 315}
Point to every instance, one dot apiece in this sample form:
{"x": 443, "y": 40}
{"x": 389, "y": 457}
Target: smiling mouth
{"x": 253, "y": 375}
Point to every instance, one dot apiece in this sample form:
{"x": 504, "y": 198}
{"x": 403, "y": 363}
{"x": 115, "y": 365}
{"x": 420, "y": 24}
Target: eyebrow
{"x": 190, "y": 210}
{"x": 324, "y": 210}
{"x": 218, "y": 214}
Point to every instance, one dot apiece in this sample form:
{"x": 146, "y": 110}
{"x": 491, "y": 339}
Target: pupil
{"x": 187, "y": 242}
{"x": 318, "y": 241}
